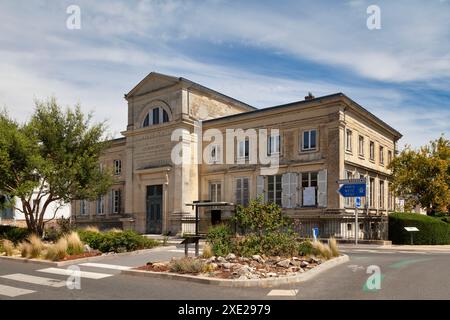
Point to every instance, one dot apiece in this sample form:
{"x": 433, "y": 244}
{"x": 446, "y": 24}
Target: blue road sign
{"x": 315, "y": 233}
{"x": 353, "y": 190}
{"x": 358, "y": 202}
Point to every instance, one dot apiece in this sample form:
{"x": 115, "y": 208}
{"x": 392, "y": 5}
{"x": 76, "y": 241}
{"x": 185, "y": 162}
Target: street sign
{"x": 315, "y": 233}
{"x": 352, "y": 181}
{"x": 411, "y": 229}
{"x": 353, "y": 190}
{"x": 358, "y": 202}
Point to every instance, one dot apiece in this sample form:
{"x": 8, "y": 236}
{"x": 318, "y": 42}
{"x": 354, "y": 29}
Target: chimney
{"x": 309, "y": 96}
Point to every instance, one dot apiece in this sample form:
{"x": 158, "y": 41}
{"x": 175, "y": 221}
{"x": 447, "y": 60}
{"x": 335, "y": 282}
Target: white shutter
{"x": 294, "y": 189}
{"x": 285, "y": 190}
{"x": 322, "y": 188}
{"x": 260, "y": 187}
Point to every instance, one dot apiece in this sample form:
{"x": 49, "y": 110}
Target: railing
{"x": 339, "y": 226}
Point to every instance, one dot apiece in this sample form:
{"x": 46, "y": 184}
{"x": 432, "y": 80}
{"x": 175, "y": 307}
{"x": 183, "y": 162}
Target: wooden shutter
{"x": 322, "y": 188}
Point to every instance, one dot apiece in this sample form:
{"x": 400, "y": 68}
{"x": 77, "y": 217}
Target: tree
{"x": 53, "y": 158}
{"x": 422, "y": 177}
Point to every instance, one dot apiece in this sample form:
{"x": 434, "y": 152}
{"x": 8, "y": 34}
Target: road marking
{"x": 12, "y": 291}
{"x": 283, "y": 293}
{"x": 403, "y": 263}
{"x": 105, "y": 266}
{"x": 35, "y": 280}
{"x": 365, "y": 288}
{"x": 83, "y": 274}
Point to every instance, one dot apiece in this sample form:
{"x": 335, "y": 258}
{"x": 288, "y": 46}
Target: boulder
{"x": 271, "y": 274}
{"x": 227, "y": 265}
{"x": 87, "y": 248}
{"x": 221, "y": 259}
{"x": 230, "y": 256}
{"x": 304, "y": 264}
{"x": 284, "y": 263}
{"x": 258, "y": 258}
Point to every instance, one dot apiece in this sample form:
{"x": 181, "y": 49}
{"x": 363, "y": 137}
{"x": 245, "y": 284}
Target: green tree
{"x": 422, "y": 177}
{"x": 52, "y": 158}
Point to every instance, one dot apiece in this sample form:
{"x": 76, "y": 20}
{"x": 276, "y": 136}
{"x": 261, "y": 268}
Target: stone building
{"x": 315, "y": 141}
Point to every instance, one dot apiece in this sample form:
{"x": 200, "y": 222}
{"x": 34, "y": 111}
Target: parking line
{"x": 13, "y": 291}
{"x": 282, "y": 293}
{"x": 35, "y": 280}
{"x": 105, "y": 266}
{"x": 83, "y": 274}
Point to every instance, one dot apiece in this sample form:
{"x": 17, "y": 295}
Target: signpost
{"x": 353, "y": 188}
{"x": 411, "y": 230}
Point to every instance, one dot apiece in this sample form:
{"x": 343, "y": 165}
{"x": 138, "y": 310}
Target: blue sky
{"x": 262, "y": 52}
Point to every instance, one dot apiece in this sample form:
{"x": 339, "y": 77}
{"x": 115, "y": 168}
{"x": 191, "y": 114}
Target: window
{"x": 309, "y": 188}
{"x": 349, "y": 227}
{"x": 83, "y": 207}
{"x": 101, "y": 205}
{"x": 381, "y": 155}
{"x": 214, "y": 153}
{"x": 156, "y": 116}
{"x": 117, "y": 167}
{"x": 390, "y": 199}
{"x": 381, "y": 196}
{"x": 309, "y": 140}
{"x": 116, "y": 201}
{"x": 372, "y": 150}
{"x": 361, "y": 146}
{"x": 273, "y": 144}
{"x": 389, "y": 156}
{"x": 242, "y": 191}
{"x": 215, "y": 192}
{"x": 274, "y": 189}
{"x": 243, "y": 149}
{"x": 348, "y": 141}
{"x": 372, "y": 192}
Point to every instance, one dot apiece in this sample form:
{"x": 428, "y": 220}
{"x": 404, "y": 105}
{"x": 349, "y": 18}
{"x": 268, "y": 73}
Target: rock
{"x": 295, "y": 258}
{"x": 271, "y": 274}
{"x": 253, "y": 276}
{"x": 87, "y": 248}
{"x": 244, "y": 270}
{"x": 258, "y": 258}
{"x": 210, "y": 260}
{"x": 301, "y": 270}
{"x": 242, "y": 278}
{"x": 304, "y": 264}
{"x": 213, "y": 265}
{"x": 230, "y": 256}
{"x": 277, "y": 258}
{"x": 227, "y": 265}
{"x": 221, "y": 259}
{"x": 284, "y": 263}
{"x": 314, "y": 260}
{"x": 243, "y": 259}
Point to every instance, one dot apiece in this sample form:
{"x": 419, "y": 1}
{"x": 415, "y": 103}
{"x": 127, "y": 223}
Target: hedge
{"x": 113, "y": 241}
{"x": 431, "y": 230}
{"x": 13, "y": 233}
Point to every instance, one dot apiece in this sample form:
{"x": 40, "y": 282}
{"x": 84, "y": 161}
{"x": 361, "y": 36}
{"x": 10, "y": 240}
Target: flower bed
{"x": 233, "y": 267}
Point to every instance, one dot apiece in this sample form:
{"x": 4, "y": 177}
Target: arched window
{"x": 155, "y": 115}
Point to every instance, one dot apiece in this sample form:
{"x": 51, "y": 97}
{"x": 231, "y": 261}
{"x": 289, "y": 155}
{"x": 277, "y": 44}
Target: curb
{"x": 82, "y": 260}
{"x": 262, "y": 283}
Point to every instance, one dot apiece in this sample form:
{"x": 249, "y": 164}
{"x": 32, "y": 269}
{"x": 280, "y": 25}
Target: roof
{"x": 189, "y": 83}
{"x": 301, "y": 103}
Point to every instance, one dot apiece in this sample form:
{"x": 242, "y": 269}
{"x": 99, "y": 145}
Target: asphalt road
{"x": 404, "y": 275}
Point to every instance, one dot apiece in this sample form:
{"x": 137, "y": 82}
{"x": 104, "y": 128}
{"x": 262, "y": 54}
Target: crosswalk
{"x": 53, "y": 278}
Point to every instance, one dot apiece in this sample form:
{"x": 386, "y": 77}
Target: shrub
{"x": 92, "y": 229}
{"x": 282, "y": 244}
{"x": 36, "y": 246}
{"x": 8, "y": 247}
{"x": 187, "y": 265}
{"x": 322, "y": 250}
{"x": 52, "y": 234}
{"x": 65, "y": 225}
{"x": 305, "y": 248}
{"x": 57, "y": 251}
{"x": 431, "y": 230}
{"x": 25, "y": 249}
{"x": 219, "y": 237}
{"x": 14, "y": 234}
{"x": 333, "y": 247}
{"x": 116, "y": 241}
{"x": 74, "y": 244}
{"x": 207, "y": 251}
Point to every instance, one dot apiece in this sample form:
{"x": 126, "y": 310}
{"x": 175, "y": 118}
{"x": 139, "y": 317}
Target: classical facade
{"x": 316, "y": 142}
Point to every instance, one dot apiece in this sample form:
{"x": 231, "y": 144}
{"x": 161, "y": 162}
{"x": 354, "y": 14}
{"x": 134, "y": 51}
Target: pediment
{"x": 152, "y": 82}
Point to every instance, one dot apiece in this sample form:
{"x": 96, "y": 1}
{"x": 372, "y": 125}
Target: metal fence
{"x": 343, "y": 227}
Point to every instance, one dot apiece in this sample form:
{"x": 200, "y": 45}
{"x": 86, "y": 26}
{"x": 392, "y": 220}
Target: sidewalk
{"x": 396, "y": 247}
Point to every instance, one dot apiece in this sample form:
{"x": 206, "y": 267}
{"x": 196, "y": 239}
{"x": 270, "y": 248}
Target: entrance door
{"x": 154, "y": 209}
{"x": 216, "y": 217}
